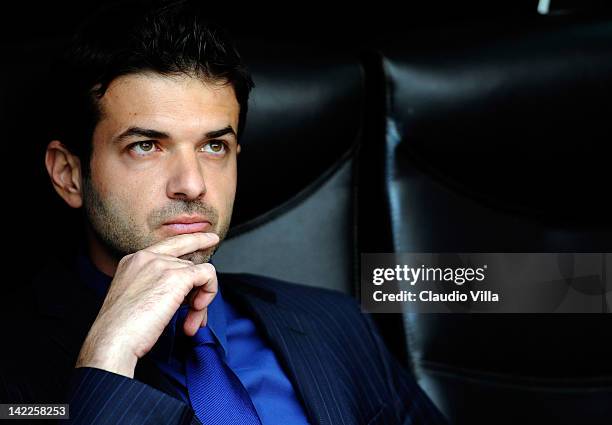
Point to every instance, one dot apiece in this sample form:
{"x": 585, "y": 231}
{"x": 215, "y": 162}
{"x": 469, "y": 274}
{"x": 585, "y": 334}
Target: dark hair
{"x": 167, "y": 38}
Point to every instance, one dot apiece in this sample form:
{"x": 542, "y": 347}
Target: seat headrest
{"x": 305, "y": 114}
{"x": 520, "y": 121}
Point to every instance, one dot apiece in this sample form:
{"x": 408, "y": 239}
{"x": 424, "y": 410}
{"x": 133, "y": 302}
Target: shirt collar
{"x": 99, "y": 282}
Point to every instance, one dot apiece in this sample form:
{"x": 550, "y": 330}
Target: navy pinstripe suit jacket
{"x": 340, "y": 369}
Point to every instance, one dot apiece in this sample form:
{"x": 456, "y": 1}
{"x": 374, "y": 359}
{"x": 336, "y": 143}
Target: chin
{"x": 199, "y": 257}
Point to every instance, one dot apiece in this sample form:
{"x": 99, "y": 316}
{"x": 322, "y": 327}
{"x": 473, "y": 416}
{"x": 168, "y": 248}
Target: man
{"x": 140, "y": 328}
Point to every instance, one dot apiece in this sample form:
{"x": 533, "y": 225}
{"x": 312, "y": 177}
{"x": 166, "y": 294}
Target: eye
{"x": 143, "y": 148}
{"x": 215, "y": 147}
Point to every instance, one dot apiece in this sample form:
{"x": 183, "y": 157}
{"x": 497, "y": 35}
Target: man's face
{"x": 164, "y": 151}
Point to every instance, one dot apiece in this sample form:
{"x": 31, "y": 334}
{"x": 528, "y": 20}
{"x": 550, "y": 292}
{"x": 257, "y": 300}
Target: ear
{"x": 238, "y": 149}
{"x": 64, "y": 169}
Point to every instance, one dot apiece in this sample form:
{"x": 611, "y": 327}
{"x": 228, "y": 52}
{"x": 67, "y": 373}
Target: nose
{"x": 187, "y": 178}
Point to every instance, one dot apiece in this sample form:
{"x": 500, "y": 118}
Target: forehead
{"x": 154, "y": 99}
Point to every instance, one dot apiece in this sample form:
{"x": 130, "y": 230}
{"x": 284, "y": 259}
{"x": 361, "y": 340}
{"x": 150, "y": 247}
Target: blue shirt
{"x": 245, "y": 352}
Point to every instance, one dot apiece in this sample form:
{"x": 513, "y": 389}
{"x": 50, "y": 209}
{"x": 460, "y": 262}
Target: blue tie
{"x": 217, "y": 395}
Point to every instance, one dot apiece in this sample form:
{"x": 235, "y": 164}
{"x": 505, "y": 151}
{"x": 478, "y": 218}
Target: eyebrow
{"x": 155, "y": 134}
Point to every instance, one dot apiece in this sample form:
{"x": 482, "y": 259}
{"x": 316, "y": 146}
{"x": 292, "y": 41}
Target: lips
{"x": 185, "y": 224}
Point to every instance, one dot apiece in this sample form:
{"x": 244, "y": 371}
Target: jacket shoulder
{"x": 288, "y": 292}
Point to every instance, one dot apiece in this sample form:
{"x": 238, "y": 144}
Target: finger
{"x": 201, "y": 283}
{"x": 205, "y": 320}
{"x": 190, "y": 296}
{"x": 175, "y": 259}
{"x": 167, "y": 262}
{"x": 205, "y": 277}
{"x": 204, "y": 290}
{"x": 201, "y": 298}
{"x": 194, "y": 320}
{"x": 184, "y": 244}
{"x": 170, "y": 262}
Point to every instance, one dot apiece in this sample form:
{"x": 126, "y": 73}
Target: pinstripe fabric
{"x": 104, "y": 397}
{"x": 340, "y": 368}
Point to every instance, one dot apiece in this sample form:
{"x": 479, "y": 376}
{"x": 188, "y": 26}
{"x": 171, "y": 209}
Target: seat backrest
{"x": 499, "y": 141}
{"x": 294, "y": 206}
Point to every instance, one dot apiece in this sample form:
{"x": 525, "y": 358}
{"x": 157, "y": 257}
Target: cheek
{"x": 223, "y": 191}
{"x": 231, "y": 182}
{"x": 104, "y": 173}
{"x": 132, "y": 194}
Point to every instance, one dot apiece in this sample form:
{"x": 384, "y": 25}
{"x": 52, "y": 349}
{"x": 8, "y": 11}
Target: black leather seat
{"x": 294, "y": 206}
{"x": 498, "y": 143}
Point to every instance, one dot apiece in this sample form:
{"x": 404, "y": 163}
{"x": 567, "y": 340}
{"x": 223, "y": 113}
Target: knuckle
{"x": 209, "y": 269}
{"x": 158, "y": 264}
{"x": 142, "y": 256}
{"x": 124, "y": 260}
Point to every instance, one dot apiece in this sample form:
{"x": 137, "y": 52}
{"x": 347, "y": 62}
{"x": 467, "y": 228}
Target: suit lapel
{"x": 300, "y": 350}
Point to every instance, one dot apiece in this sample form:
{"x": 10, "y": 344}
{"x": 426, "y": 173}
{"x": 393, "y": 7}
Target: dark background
{"x": 327, "y": 22}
